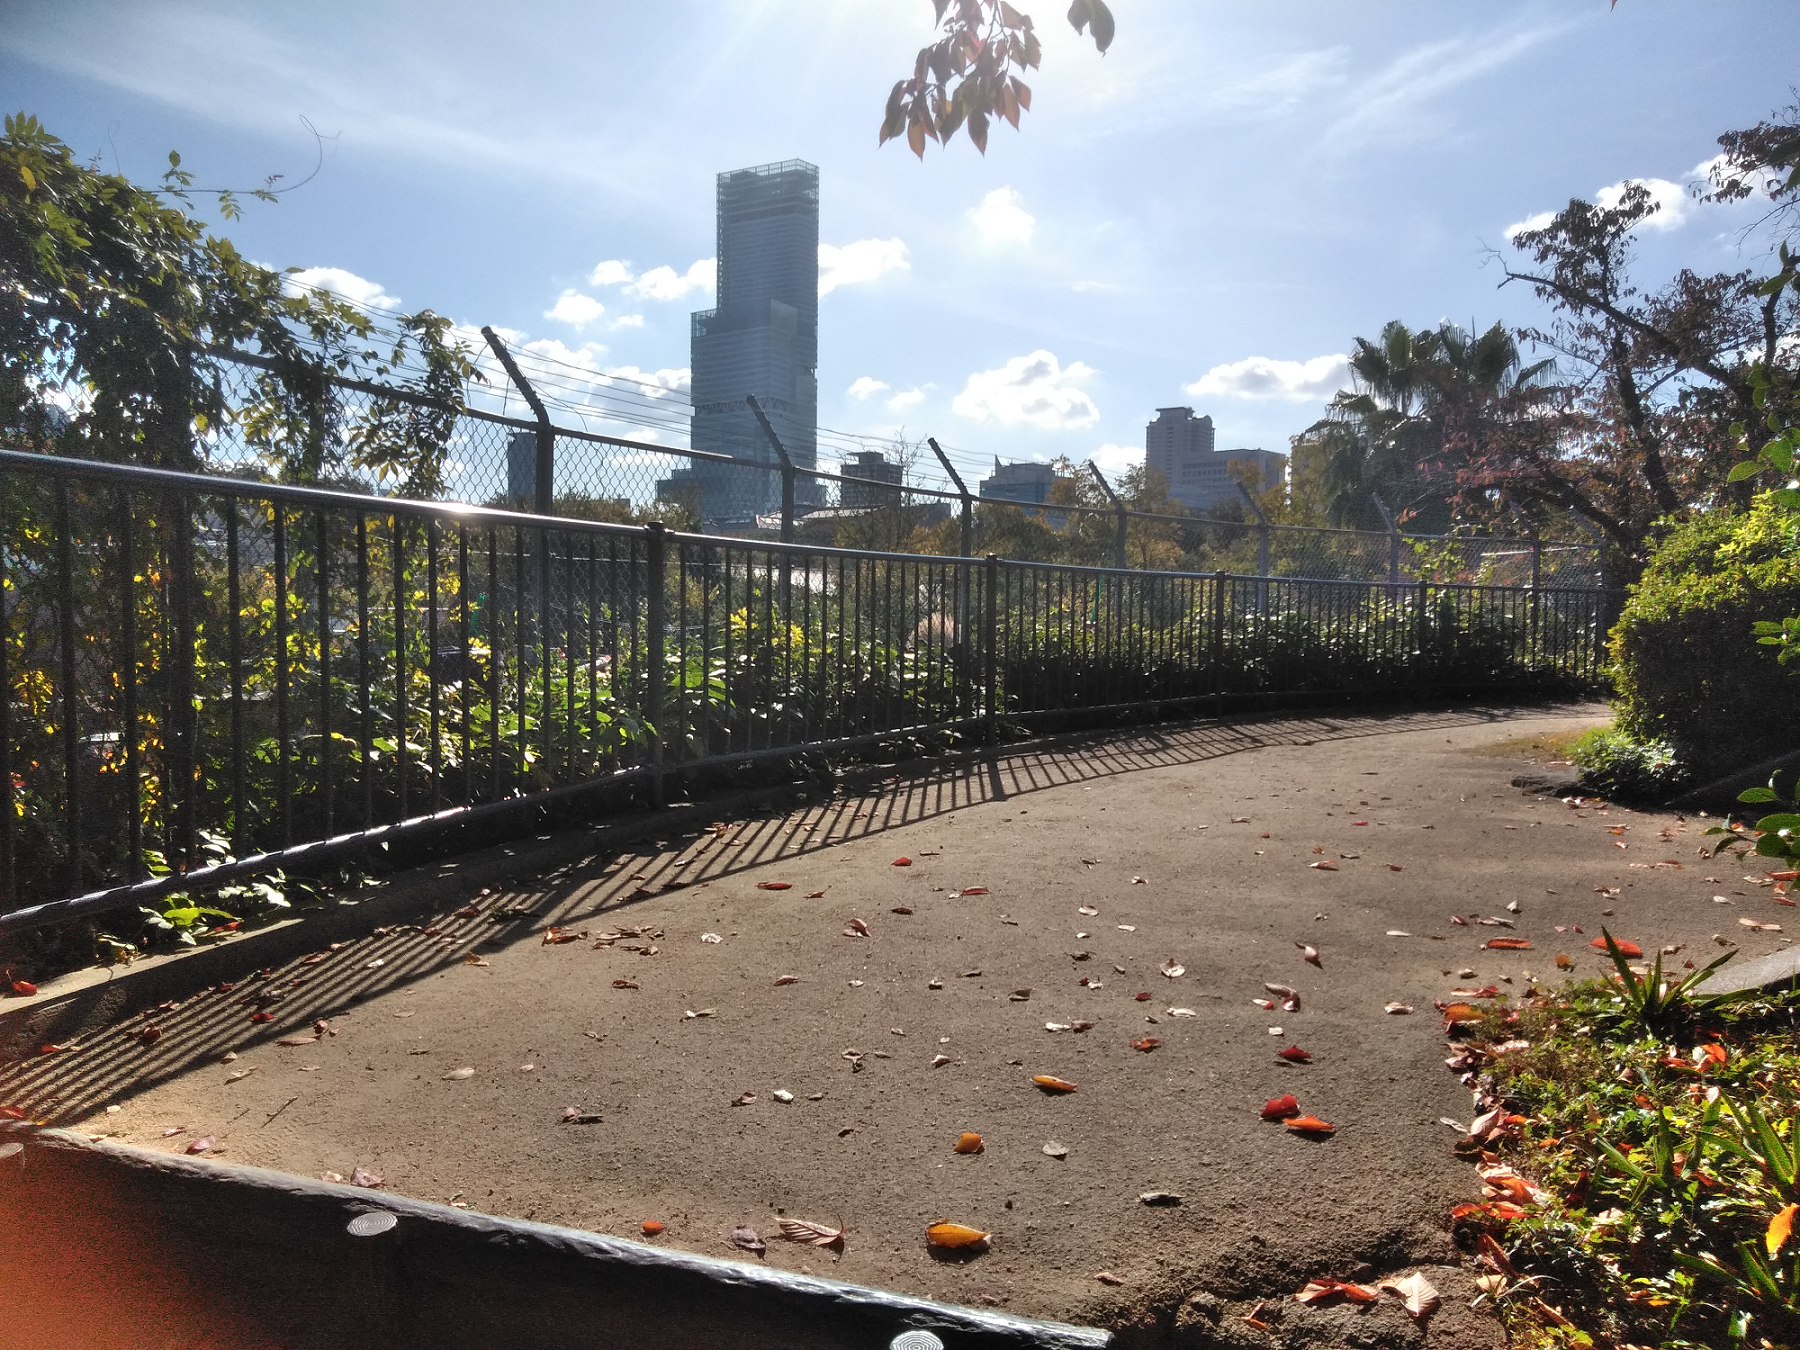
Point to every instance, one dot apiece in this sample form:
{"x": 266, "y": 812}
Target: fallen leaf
{"x": 1398, "y": 1009}
{"x": 1266, "y": 1004}
{"x": 1147, "y": 1044}
{"x": 457, "y": 1074}
{"x": 236, "y": 1074}
{"x": 626, "y": 984}
{"x": 1781, "y": 1228}
{"x": 938, "y": 1061}
{"x": 298, "y": 1040}
{"x": 1055, "y": 1150}
{"x": 814, "y": 1234}
{"x": 954, "y": 1235}
{"x": 24, "y": 988}
{"x": 745, "y": 1236}
{"x": 974, "y": 890}
{"x": 1019, "y": 995}
{"x": 1325, "y": 1288}
{"x": 900, "y": 909}
{"x": 262, "y": 1017}
{"x": 651, "y": 1227}
{"x": 554, "y": 934}
{"x": 971, "y": 974}
{"x": 967, "y": 1142}
{"x": 1310, "y": 1125}
{"x": 1508, "y": 944}
{"x": 773, "y": 886}
{"x": 1311, "y": 953}
{"x": 703, "y": 1012}
{"x": 1461, "y": 1012}
{"x": 1179, "y": 1012}
{"x": 787, "y": 979}
{"x": 1761, "y": 927}
{"x": 743, "y": 1099}
{"x": 1626, "y": 949}
{"x": 1159, "y": 1199}
{"x": 1324, "y": 865}
{"x": 1173, "y": 969}
{"x": 1052, "y": 1084}
{"x": 202, "y": 1144}
{"x": 1086, "y": 909}
{"x": 815, "y": 895}
{"x": 1294, "y": 1055}
{"x": 473, "y": 960}
{"x": 1563, "y": 962}
{"x": 1290, "y": 998}
{"x": 1458, "y": 919}
{"x": 361, "y": 1176}
{"x": 1107, "y": 1277}
{"x": 1283, "y": 1107}
{"x": 902, "y": 862}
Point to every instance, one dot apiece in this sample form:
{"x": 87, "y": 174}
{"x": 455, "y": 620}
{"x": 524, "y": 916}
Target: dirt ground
{"x": 1075, "y": 869}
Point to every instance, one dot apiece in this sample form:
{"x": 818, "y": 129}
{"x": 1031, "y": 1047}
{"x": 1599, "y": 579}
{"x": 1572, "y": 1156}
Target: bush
{"x": 1616, "y": 766}
{"x": 1686, "y": 664}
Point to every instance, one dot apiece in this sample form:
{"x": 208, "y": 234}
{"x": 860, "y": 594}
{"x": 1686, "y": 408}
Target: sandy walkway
{"x": 1101, "y": 860}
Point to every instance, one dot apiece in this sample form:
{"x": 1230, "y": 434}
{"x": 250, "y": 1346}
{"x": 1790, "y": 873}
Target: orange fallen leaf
{"x": 902, "y": 862}
{"x": 955, "y": 1235}
{"x": 1461, "y": 1012}
{"x": 1626, "y": 949}
{"x": 1781, "y": 1228}
{"x": 1283, "y": 1107}
{"x": 1310, "y": 1125}
{"x": 1295, "y": 1055}
{"x": 1710, "y": 1053}
{"x": 1325, "y": 1287}
{"x": 774, "y": 885}
{"x": 1052, "y": 1084}
{"x": 651, "y": 1227}
{"x": 1508, "y": 944}
{"x": 1563, "y": 962}
{"x": 967, "y": 1142}
{"x": 1147, "y": 1044}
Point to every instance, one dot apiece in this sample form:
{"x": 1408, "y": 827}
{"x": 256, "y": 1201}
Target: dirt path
{"x": 1196, "y": 846}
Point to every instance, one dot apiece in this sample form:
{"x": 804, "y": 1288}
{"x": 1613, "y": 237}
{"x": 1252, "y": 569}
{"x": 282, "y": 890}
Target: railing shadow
{"x": 64, "y": 1086}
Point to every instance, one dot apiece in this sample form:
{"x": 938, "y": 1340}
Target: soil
{"x": 1195, "y": 846}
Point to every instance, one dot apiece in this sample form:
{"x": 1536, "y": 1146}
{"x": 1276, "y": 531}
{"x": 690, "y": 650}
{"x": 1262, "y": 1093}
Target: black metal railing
{"x": 199, "y": 668}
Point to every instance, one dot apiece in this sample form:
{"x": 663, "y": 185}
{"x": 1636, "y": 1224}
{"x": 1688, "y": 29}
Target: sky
{"x": 1208, "y": 215}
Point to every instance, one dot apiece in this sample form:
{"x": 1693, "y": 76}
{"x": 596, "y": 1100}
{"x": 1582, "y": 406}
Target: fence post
{"x": 656, "y": 566}
{"x": 1118, "y": 513}
{"x": 1419, "y": 621}
{"x": 1605, "y": 614}
{"x": 1218, "y": 642}
{"x": 989, "y": 645}
{"x": 1262, "y": 546}
{"x": 543, "y": 485}
{"x": 968, "y": 542}
{"x": 1387, "y": 518}
{"x": 787, "y": 469}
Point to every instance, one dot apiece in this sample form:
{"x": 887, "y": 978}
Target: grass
{"x": 1657, "y": 1135}
{"x": 1543, "y": 747}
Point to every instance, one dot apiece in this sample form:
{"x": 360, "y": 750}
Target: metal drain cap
{"x": 915, "y": 1340}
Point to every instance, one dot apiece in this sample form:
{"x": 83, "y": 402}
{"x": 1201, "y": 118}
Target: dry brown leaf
{"x": 203, "y": 1144}
{"x": 967, "y": 1142}
{"x": 856, "y": 926}
{"x": 938, "y": 1061}
{"x": 456, "y": 1075}
{"x": 1086, "y": 909}
{"x": 1147, "y": 1044}
{"x": 813, "y": 1234}
{"x": 473, "y": 960}
{"x": 361, "y": 1176}
{"x": 745, "y": 1236}
{"x": 1311, "y": 953}
{"x": 1290, "y": 998}
{"x": 955, "y": 1235}
{"x": 787, "y": 979}
{"x": 1324, "y": 865}
{"x": 1563, "y": 962}
{"x": 626, "y": 984}
{"x": 743, "y": 1099}
{"x": 298, "y": 1040}
{"x": 1325, "y": 1287}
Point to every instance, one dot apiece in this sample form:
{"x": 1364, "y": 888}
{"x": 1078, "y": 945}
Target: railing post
{"x": 1118, "y": 515}
{"x": 1387, "y": 518}
{"x": 1419, "y": 623}
{"x": 656, "y": 565}
{"x": 968, "y": 541}
{"x": 1262, "y": 547}
{"x": 1604, "y": 608}
{"x": 1218, "y": 642}
{"x": 990, "y": 648}
{"x": 787, "y": 469}
{"x": 543, "y": 484}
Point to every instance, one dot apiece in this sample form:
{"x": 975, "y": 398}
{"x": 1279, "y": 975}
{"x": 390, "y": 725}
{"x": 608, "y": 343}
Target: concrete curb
{"x": 439, "y": 1277}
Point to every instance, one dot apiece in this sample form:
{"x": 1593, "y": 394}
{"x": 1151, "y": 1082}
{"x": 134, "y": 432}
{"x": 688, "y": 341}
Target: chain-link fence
{"x": 757, "y": 477}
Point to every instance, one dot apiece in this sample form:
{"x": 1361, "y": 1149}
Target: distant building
{"x": 761, "y": 339}
{"x": 1023, "y": 482}
{"x": 870, "y": 464}
{"x": 1181, "y": 448}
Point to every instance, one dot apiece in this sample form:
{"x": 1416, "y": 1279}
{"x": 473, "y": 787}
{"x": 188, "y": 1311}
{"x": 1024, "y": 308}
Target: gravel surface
{"x": 734, "y": 1054}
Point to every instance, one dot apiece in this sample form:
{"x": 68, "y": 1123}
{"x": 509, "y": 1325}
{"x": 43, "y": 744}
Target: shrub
{"x": 1686, "y": 664}
{"x": 1614, "y": 765}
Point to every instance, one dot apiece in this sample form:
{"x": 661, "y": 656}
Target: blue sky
{"x": 1207, "y": 215}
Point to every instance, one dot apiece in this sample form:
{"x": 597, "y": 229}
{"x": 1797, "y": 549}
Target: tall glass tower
{"x": 762, "y": 339}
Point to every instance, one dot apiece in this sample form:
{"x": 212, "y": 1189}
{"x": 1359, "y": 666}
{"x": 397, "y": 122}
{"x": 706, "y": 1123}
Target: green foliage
{"x": 1616, "y": 766}
{"x": 1652, "y": 1005}
{"x": 1686, "y": 665}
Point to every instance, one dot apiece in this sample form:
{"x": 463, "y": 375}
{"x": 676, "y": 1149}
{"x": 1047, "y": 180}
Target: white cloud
{"x": 1394, "y": 102}
{"x": 905, "y": 399}
{"x": 866, "y": 386}
{"x": 1085, "y": 286}
{"x": 1033, "y": 389}
{"x": 627, "y": 321}
{"x": 670, "y": 379}
{"x": 575, "y": 309}
{"x": 1674, "y": 206}
{"x": 345, "y": 285}
{"x": 612, "y": 272}
{"x": 586, "y": 357}
{"x": 665, "y": 283}
{"x": 863, "y": 260}
{"x": 1114, "y": 460}
{"x": 1264, "y": 377}
{"x": 1002, "y": 217}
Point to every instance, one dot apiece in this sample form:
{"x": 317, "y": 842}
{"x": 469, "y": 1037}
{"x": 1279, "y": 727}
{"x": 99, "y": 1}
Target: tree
{"x": 965, "y": 79}
{"x": 115, "y": 303}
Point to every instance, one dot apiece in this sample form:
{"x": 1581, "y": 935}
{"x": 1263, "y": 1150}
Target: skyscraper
{"x": 1200, "y": 476}
{"x": 761, "y": 339}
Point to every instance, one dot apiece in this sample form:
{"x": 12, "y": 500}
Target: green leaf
{"x": 1102, "y": 24}
{"x": 1758, "y": 794}
{"x": 1749, "y": 468}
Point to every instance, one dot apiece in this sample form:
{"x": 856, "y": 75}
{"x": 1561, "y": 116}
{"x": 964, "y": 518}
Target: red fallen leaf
{"x": 12, "y": 1113}
{"x": 1359, "y": 822}
{"x": 49, "y": 1049}
{"x": 1310, "y": 1125}
{"x": 1496, "y": 1255}
{"x": 626, "y": 984}
{"x": 202, "y": 1144}
{"x": 150, "y": 1035}
{"x": 316, "y": 958}
{"x": 1504, "y": 1210}
{"x": 1147, "y": 1044}
{"x": 815, "y": 895}
{"x": 1626, "y": 949}
{"x": 902, "y": 862}
{"x": 1325, "y": 1287}
{"x": 774, "y": 885}
{"x": 1508, "y": 944}
{"x": 975, "y": 890}
{"x": 1282, "y": 1107}
{"x": 262, "y": 1017}
{"x": 1295, "y": 1055}
{"x": 1141, "y": 998}
{"x": 24, "y": 988}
